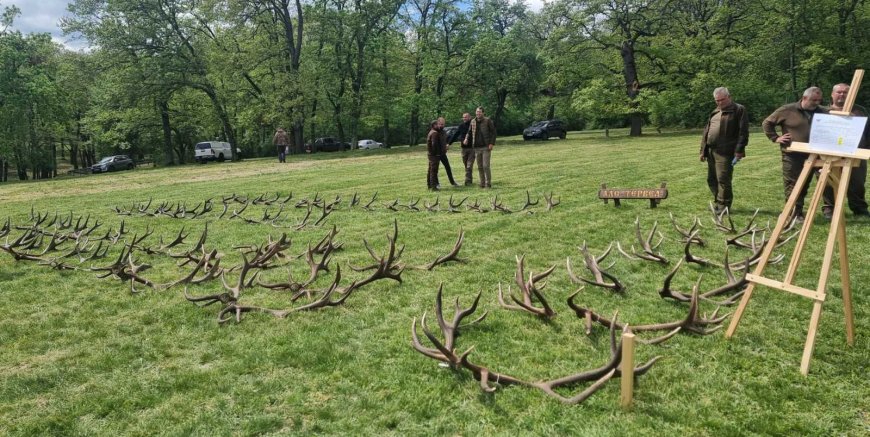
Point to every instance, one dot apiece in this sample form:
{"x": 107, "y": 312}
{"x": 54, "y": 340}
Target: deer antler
{"x": 454, "y": 207}
{"x": 550, "y": 202}
{"x": 599, "y": 273}
{"x": 444, "y": 351}
{"x": 385, "y": 267}
{"x": 717, "y": 220}
{"x": 649, "y": 252}
{"x": 367, "y": 206}
{"x": 529, "y": 289}
{"x": 529, "y": 202}
{"x": 453, "y": 255}
{"x": 688, "y": 234}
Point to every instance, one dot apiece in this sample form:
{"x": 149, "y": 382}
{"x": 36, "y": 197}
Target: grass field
{"x": 84, "y": 356}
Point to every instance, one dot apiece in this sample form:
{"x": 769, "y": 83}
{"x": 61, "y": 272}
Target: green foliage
{"x": 233, "y": 69}
{"x": 604, "y": 104}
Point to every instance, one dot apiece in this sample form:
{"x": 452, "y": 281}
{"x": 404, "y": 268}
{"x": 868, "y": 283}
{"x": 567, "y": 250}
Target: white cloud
{"x": 43, "y": 16}
{"x": 535, "y": 5}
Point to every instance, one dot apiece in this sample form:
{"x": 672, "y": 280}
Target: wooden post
{"x": 627, "y": 370}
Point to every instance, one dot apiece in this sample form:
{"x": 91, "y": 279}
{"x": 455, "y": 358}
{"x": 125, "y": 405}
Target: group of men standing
{"x": 477, "y": 138}
{"x": 726, "y": 135}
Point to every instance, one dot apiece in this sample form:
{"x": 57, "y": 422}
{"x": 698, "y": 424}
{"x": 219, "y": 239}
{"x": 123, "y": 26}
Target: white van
{"x": 211, "y": 150}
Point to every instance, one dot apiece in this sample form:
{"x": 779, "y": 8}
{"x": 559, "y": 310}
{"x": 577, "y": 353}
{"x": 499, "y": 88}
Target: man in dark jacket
{"x": 434, "y": 147}
{"x": 723, "y": 144}
{"x": 467, "y": 150}
{"x": 794, "y": 120}
{"x": 481, "y": 136}
{"x": 444, "y": 161}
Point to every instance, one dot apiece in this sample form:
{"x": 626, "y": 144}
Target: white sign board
{"x": 836, "y": 133}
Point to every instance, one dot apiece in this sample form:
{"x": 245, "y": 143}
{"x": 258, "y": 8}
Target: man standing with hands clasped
{"x": 723, "y": 145}
{"x": 481, "y": 137}
{"x": 794, "y": 120}
{"x": 855, "y": 191}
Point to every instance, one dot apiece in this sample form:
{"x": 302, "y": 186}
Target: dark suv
{"x": 326, "y": 144}
{"x": 543, "y": 130}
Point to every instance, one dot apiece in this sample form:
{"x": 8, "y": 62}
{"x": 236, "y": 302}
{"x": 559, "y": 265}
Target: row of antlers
{"x": 234, "y": 206}
{"x": 31, "y": 245}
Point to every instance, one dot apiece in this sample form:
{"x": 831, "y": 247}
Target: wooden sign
{"x": 655, "y": 195}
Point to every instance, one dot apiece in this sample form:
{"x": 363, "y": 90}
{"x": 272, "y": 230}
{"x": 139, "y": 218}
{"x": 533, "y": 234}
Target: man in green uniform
{"x": 723, "y": 144}
{"x": 481, "y": 136}
{"x": 794, "y": 120}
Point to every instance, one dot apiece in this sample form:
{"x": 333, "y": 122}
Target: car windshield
{"x": 539, "y": 124}
{"x": 106, "y": 159}
{"x": 203, "y": 146}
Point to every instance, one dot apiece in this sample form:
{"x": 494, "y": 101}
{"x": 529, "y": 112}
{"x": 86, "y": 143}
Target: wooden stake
{"x": 627, "y": 369}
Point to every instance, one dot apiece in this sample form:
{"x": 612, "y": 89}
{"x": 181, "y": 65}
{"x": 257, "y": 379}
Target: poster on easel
{"x": 836, "y": 133}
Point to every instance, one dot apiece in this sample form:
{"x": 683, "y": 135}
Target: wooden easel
{"x": 836, "y": 168}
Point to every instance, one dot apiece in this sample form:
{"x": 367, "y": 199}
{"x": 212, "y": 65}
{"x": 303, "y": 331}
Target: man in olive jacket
{"x": 794, "y": 120}
{"x": 481, "y": 136}
{"x": 723, "y": 145}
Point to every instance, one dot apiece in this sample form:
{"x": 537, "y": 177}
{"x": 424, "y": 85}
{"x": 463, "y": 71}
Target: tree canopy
{"x": 162, "y": 75}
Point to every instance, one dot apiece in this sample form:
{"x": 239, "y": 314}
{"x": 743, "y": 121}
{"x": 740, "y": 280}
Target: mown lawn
{"x": 84, "y": 356}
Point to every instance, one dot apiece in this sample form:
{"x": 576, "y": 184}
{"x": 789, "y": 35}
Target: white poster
{"x": 836, "y": 133}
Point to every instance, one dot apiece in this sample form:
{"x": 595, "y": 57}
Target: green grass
{"x": 84, "y": 356}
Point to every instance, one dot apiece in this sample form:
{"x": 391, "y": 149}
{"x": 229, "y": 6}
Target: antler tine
{"x": 666, "y": 291}
{"x": 751, "y": 220}
{"x": 433, "y": 207}
{"x": 550, "y": 202}
{"x": 529, "y": 201}
{"x": 601, "y": 257}
{"x": 520, "y": 279}
{"x": 418, "y": 346}
{"x": 624, "y": 253}
{"x": 453, "y": 255}
{"x": 693, "y": 259}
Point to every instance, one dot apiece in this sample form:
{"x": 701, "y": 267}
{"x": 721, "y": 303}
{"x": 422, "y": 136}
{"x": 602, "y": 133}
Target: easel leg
{"x": 811, "y": 338}
{"x": 771, "y": 243}
{"x": 847, "y": 284}
{"x": 808, "y": 224}
{"x": 833, "y": 236}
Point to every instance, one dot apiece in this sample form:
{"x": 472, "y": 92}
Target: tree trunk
{"x": 53, "y": 169}
{"x": 632, "y": 85}
{"x": 501, "y": 99}
{"x": 167, "y": 133}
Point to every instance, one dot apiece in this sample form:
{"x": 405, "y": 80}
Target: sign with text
{"x": 836, "y": 133}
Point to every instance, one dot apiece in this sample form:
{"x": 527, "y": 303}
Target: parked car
{"x": 369, "y": 144}
{"x": 326, "y": 144}
{"x": 214, "y": 150}
{"x": 543, "y": 130}
{"x": 113, "y": 163}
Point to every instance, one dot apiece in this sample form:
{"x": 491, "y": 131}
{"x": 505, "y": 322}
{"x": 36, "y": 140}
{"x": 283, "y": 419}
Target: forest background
{"x": 162, "y": 75}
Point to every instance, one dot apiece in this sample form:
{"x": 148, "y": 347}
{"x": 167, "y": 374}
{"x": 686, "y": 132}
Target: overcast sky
{"x": 44, "y": 16}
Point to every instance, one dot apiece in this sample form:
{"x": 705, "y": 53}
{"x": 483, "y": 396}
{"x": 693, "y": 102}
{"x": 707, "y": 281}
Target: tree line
{"x": 162, "y": 75}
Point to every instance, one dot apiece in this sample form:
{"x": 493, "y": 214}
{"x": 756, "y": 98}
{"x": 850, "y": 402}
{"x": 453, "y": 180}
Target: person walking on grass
{"x": 481, "y": 136}
{"x": 723, "y": 145}
{"x": 434, "y": 148}
{"x": 281, "y": 141}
